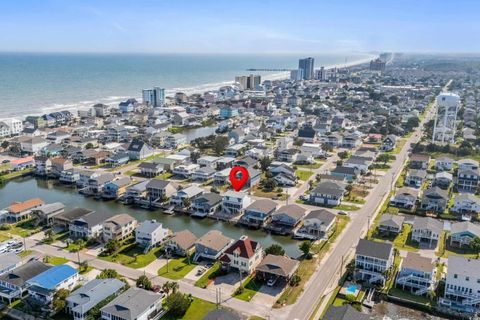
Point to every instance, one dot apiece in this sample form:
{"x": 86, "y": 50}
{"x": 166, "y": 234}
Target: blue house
{"x": 43, "y": 286}
{"x": 118, "y": 159}
{"x": 227, "y": 112}
{"x": 259, "y": 212}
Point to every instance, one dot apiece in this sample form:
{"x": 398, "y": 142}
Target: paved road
{"x": 329, "y": 269}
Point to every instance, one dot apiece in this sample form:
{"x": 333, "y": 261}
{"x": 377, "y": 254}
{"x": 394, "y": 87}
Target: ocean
{"x": 38, "y": 83}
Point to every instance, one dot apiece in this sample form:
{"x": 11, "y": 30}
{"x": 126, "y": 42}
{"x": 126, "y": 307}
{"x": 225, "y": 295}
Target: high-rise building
{"x": 307, "y": 66}
{"x": 296, "y": 75}
{"x": 377, "y": 65}
{"x": 321, "y": 74}
{"x": 154, "y": 97}
{"x": 249, "y": 82}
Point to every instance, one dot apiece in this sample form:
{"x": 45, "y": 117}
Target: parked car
{"x": 271, "y": 282}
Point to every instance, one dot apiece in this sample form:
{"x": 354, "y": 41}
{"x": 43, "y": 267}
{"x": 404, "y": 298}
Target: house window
{"x": 455, "y": 276}
{"x": 467, "y": 278}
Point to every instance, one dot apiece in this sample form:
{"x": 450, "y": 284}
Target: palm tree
{"x": 475, "y": 245}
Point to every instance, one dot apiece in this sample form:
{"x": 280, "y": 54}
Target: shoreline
{"x": 115, "y": 100}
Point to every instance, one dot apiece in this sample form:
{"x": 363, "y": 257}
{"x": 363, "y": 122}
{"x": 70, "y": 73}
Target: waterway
{"x": 51, "y": 191}
{"x": 194, "y": 133}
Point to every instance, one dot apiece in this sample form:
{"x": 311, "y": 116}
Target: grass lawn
{"x": 346, "y": 207}
{"x": 250, "y": 288}
{"x": 449, "y": 250}
{"x": 264, "y": 194}
{"x": 23, "y": 229}
{"x": 315, "y": 165}
{"x": 164, "y": 176}
{"x": 403, "y": 240}
{"x": 197, "y": 311}
{"x": 177, "y": 269}
{"x": 132, "y": 256}
{"x": 408, "y": 296}
{"x": 4, "y": 237}
{"x": 73, "y": 247}
{"x": 203, "y": 281}
{"x": 87, "y": 270}
{"x": 25, "y": 253}
{"x": 15, "y": 174}
{"x": 303, "y": 175}
{"x": 57, "y": 260}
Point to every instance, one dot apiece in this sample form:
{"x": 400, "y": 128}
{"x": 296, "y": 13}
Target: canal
{"x": 194, "y": 133}
{"x": 22, "y": 189}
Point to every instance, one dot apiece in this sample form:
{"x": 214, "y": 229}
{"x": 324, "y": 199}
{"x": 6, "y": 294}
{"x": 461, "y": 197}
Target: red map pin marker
{"x": 238, "y": 183}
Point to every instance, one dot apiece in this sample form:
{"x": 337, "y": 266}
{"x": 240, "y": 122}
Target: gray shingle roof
{"x": 132, "y": 303}
{"x": 25, "y": 272}
{"x": 368, "y": 248}
{"x": 345, "y": 312}
{"x": 93, "y": 293}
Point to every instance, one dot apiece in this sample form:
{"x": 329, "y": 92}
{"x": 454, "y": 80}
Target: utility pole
{"x": 78, "y": 257}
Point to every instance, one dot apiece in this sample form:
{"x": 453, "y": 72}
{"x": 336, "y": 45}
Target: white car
{"x": 271, "y": 282}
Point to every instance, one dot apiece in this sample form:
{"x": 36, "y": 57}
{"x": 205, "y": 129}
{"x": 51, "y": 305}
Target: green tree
{"x": 108, "y": 274}
{"x": 327, "y": 147}
{"x": 276, "y": 250}
{"x": 170, "y": 287}
{"x": 383, "y": 158}
{"x": 177, "y": 304}
{"x": 305, "y": 247}
{"x": 220, "y": 144}
{"x": 112, "y": 246}
{"x": 475, "y": 245}
{"x": 144, "y": 283}
{"x": 187, "y": 203}
{"x": 89, "y": 145}
{"x": 265, "y": 162}
{"x": 270, "y": 184}
{"x": 49, "y": 235}
{"x": 5, "y": 144}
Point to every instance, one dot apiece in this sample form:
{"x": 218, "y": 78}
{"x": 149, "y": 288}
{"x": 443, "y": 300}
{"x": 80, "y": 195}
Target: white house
{"x": 235, "y": 202}
{"x": 150, "y": 233}
{"x": 462, "y": 285}
{"x": 243, "y": 255}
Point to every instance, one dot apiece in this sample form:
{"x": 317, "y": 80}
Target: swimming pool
{"x": 351, "y": 289}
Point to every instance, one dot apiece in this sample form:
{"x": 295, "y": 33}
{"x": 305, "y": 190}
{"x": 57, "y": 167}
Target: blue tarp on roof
{"x": 50, "y": 278}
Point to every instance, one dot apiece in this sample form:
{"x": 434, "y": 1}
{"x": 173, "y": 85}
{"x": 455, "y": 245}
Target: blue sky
{"x": 239, "y": 26}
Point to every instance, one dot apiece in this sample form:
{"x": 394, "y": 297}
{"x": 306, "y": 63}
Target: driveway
{"x": 268, "y": 295}
{"x": 154, "y": 266}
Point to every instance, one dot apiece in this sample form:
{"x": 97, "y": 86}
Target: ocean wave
{"x": 115, "y": 100}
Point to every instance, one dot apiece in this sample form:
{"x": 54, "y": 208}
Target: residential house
{"x": 462, "y": 233}
{"x": 444, "y": 164}
{"x": 206, "y": 204}
{"x": 175, "y": 141}
{"x": 180, "y": 197}
{"x": 467, "y": 179}
{"x": 203, "y": 174}
{"x": 13, "y": 284}
{"x": 280, "y": 269}
{"x": 419, "y": 161}
{"x": 150, "y": 233}
{"x": 286, "y": 218}
{"x": 434, "y": 199}
{"x": 119, "y": 227}
{"x": 159, "y": 189}
{"x": 466, "y": 204}
{"x": 81, "y": 301}
{"x": 209, "y": 161}
{"x": 221, "y": 177}
{"x": 46, "y": 212}
{"x": 415, "y": 178}
{"x": 344, "y": 312}
{"x": 116, "y": 188}
{"x": 42, "y": 287}
{"x": 185, "y": 170}
{"x": 372, "y": 260}
{"x": 417, "y": 274}
{"x": 43, "y": 165}
{"x": 259, "y": 212}
{"x": 234, "y": 150}
{"x": 328, "y": 193}
{"x": 139, "y": 150}
{"x": 89, "y": 226}
{"x": 288, "y": 155}
{"x": 117, "y": 159}
{"x": 243, "y": 255}
{"x": 8, "y": 262}
{"x": 96, "y": 183}
{"x": 211, "y": 245}
{"x": 150, "y": 169}
{"x": 63, "y": 220}
{"x": 443, "y": 180}
{"x": 181, "y": 243}
{"x": 390, "y": 224}
{"x": 404, "y": 198}
{"x": 19, "y": 211}
{"x": 467, "y": 164}
{"x": 389, "y": 143}
{"x": 318, "y": 224}
{"x": 234, "y": 203}
{"x": 462, "y": 285}
{"x": 426, "y": 229}
{"x": 134, "y": 304}
{"x": 350, "y": 174}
